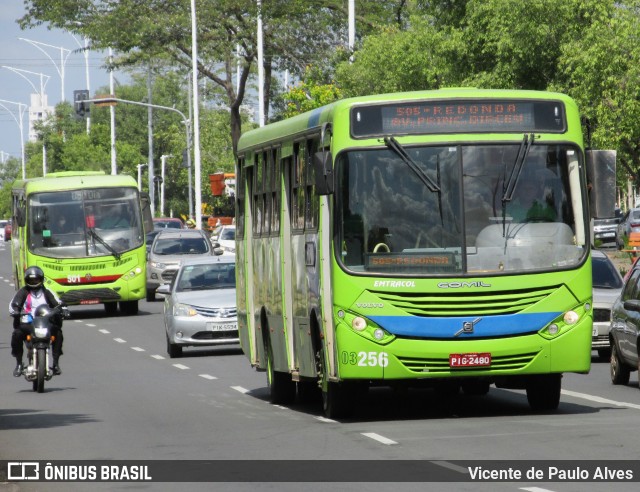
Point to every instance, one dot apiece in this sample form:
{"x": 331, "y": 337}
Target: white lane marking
{"x": 451, "y": 466}
{"x": 138, "y": 349}
{"x": 158, "y": 357}
{"x": 77, "y": 321}
{"x": 180, "y": 366}
{"x": 240, "y": 389}
{"x": 91, "y": 325}
{"x": 207, "y": 376}
{"x": 326, "y": 420}
{"x": 120, "y": 340}
{"x": 599, "y": 399}
{"x": 379, "y": 438}
{"x": 106, "y": 332}
{"x": 535, "y": 489}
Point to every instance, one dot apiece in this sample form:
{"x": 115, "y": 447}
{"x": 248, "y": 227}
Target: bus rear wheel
{"x": 543, "y": 392}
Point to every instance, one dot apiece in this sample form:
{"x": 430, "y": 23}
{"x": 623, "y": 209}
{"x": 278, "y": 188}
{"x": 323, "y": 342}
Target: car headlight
{"x": 184, "y": 310}
{"x": 157, "y": 264}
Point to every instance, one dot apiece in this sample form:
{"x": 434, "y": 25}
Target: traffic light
{"x": 81, "y": 107}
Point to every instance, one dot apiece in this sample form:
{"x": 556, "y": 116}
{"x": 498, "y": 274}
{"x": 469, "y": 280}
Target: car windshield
{"x": 167, "y": 224}
{"x": 605, "y": 275}
{"x": 180, "y": 246}
{"x": 207, "y": 277}
{"x": 228, "y": 234}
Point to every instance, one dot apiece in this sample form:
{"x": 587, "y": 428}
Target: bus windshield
{"x": 84, "y": 223}
{"x": 459, "y": 209}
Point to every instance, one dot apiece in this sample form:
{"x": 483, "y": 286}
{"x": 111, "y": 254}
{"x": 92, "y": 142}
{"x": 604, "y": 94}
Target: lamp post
{"x": 163, "y": 160}
{"x": 44, "y": 79}
{"x": 140, "y": 166}
{"x": 21, "y": 109}
{"x": 196, "y": 116}
{"x": 63, "y": 59}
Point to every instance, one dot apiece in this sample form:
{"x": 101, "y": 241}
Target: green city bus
{"x": 378, "y": 243}
{"x": 86, "y": 230}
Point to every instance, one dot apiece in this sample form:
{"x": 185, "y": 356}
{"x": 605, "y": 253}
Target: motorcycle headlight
{"x": 41, "y": 332}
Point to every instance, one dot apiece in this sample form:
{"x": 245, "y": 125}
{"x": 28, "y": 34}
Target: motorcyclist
{"x": 191, "y": 224}
{"x": 22, "y": 306}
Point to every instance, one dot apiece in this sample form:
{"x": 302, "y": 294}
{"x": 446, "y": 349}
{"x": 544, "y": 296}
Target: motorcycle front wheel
{"x": 41, "y": 361}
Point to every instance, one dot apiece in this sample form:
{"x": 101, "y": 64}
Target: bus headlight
{"x": 358, "y": 323}
{"x": 571, "y": 317}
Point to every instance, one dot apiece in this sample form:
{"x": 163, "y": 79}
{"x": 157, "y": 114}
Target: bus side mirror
{"x": 601, "y": 175}
{"x": 145, "y": 206}
{"x": 323, "y": 172}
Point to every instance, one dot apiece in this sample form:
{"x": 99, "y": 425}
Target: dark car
{"x": 625, "y": 329}
{"x": 168, "y": 223}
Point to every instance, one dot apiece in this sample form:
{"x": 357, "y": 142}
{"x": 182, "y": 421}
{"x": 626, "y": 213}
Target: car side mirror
{"x": 164, "y": 290}
{"x": 217, "y": 250}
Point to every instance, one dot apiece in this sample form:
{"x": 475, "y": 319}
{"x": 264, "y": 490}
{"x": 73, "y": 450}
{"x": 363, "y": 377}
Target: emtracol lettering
{"x": 394, "y": 283}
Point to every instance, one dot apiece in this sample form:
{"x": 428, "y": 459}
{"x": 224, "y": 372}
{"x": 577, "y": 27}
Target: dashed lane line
{"x": 207, "y": 376}
{"x": 240, "y": 389}
{"x": 138, "y": 349}
{"x": 158, "y": 357}
{"x": 120, "y": 340}
{"x": 379, "y": 438}
{"x": 181, "y": 366}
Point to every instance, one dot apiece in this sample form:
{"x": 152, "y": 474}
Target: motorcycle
{"x": 39, "y": 344}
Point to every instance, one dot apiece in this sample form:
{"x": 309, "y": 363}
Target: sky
{"x": 23, "y": 55}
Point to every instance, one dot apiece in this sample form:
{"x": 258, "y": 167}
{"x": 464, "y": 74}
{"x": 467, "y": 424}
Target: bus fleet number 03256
{"x": 366, "y": 359}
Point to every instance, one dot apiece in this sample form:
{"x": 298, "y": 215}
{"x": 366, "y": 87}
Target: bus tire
{"x": 129, "y": 308}
{"x": 475, "y": 387}
{"x": 111, "y": 308}
{"x": 619, "y": 372}
{"x": 151, "y": 295}
{"x": 282, "y": 389}
{"x": 543, "y": 391}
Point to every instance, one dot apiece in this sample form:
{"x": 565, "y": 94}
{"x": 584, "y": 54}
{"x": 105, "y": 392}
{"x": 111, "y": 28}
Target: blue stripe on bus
{"x": 484, "y": 327}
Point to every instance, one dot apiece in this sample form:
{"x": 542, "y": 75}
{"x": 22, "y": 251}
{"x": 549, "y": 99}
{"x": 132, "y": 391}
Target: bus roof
{"x": 71, "y": 180}
{"x": 306, "y": 122}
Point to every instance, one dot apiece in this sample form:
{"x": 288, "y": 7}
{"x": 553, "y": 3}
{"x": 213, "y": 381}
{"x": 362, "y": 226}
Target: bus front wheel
{"x": 282, "y": 389}
{"x": 543, "y": 392}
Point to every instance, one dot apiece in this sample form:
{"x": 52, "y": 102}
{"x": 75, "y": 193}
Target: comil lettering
{"x": 462, "y": 285}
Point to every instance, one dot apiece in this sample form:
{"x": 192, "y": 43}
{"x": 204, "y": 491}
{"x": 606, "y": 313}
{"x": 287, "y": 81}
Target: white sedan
{"x": 200, "y": 304}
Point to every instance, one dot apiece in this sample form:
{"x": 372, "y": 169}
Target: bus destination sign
{"x": 439, "y": 117}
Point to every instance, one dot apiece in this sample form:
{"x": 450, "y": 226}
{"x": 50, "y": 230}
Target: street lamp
{"x": 63, "y": 59}
{"x": 163, "y": 159}
{"x": 140, "y": 166}
{"x": 44, "y": 79}
{"x": 21, "y": 109}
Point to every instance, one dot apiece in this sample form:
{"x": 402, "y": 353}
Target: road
{"x": 120, "y": 397}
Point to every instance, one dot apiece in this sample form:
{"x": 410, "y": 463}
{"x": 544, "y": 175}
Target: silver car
{"x": 607, "y": 286}
{"x": 169, "y": 248}
{"x": 200, "y": 304}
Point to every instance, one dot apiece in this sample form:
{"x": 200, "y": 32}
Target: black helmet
{"x": 42, "y": 311}
{"x": 33, "y": 277}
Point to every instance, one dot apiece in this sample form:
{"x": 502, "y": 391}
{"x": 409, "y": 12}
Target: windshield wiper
{"x": 523, "y": 151}
{"x": 510, "y": 184}
{"x": 394, "y": 145}
{"x": 96, "y": 237}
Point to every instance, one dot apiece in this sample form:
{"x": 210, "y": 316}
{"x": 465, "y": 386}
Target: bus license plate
{"x": 222, "y": 326}
{"x": 469, "y": 360}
